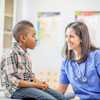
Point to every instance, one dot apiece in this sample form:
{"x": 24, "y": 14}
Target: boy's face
{"x": 30, "y": 38}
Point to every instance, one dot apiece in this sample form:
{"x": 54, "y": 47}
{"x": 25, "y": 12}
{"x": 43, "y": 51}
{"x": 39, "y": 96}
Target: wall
{"x": 2, "y": 2}
{"x": 46, "y": 56}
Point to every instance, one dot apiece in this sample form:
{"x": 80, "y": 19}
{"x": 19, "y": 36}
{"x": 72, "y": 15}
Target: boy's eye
{"x": 33, "y": 35}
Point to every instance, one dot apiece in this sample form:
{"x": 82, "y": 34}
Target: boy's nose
{"x": 37, "y": 41}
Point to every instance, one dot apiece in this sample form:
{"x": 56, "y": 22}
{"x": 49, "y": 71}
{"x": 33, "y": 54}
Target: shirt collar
{"x": 18, "y": 48}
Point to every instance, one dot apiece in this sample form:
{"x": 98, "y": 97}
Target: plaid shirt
{"x": 15, "y": 66}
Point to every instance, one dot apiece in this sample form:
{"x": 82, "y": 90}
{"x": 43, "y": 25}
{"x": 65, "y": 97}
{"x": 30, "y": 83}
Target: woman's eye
{"x": 71, "y": 36}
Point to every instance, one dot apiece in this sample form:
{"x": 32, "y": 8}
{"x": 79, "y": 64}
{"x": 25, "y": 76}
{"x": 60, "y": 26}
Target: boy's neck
{"x": 23, "y": 47}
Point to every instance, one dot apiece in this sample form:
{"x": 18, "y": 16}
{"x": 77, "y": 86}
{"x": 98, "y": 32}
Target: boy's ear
{"x": 22, "y": 37}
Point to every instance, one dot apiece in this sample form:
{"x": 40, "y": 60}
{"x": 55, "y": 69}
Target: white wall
{"x": 44, "y": 56}
{"x": 66, "y": 7}
{"x": 2, "y": 2}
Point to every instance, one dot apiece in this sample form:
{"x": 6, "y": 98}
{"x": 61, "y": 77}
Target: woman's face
{"x": 73, "y": 40}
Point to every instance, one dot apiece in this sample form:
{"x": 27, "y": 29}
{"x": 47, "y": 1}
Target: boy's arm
{"x": 13, "y": 75}
{"x": 24, "y": 84}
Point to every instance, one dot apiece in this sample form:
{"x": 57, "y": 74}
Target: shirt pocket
{"x": 92, "y": 75}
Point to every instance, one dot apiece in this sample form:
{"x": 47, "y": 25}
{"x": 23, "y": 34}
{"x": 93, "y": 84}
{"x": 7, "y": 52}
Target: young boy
{"x": 16, "y": 68}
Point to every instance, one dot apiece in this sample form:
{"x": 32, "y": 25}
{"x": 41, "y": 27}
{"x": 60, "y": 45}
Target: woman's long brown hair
{"x": 82, "y": 32}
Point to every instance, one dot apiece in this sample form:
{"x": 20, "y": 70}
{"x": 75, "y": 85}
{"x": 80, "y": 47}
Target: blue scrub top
{"x": 83, "y": 77}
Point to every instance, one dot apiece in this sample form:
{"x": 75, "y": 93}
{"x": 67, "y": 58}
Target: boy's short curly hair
{"x": 21, "y": 27}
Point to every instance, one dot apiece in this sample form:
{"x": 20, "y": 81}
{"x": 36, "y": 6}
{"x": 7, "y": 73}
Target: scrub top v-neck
{"x": 83, "y": 77}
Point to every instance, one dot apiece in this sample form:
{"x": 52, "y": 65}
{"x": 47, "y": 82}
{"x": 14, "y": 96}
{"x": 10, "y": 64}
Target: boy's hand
{"x": 43, "y": 85}
{"x": 40, "y": 84}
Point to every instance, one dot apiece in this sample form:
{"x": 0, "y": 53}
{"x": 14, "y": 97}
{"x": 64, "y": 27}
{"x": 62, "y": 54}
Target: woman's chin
{"x": 70, "y": 48}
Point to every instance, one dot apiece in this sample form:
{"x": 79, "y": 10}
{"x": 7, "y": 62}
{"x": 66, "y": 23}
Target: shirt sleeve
{"x": 63, "y": 79}
{"x": 11, "y": 69}
{"x": 97, "y": 61}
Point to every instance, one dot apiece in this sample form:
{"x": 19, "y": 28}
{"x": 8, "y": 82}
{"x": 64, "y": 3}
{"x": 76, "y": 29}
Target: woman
{"x": 81, "y": 67}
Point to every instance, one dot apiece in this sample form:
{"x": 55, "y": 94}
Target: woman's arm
{"x": 61, "y": 88}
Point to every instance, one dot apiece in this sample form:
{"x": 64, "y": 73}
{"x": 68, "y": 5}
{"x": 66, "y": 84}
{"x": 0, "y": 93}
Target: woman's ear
{"x": 80, "y": 41}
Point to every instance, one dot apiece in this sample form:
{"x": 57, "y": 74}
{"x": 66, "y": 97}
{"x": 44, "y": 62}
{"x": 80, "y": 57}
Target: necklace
{"x": 78, "y": 74}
